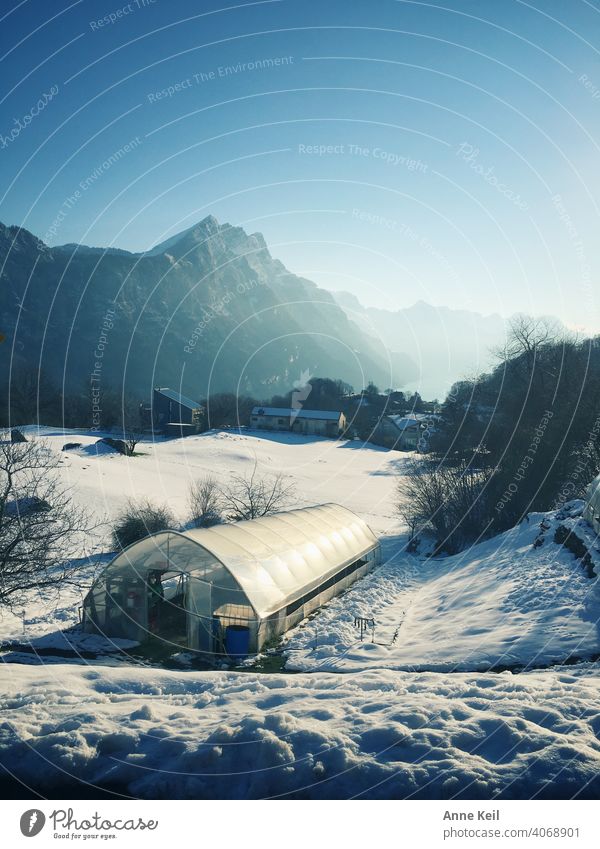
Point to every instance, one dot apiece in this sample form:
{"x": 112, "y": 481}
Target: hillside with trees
{"x": 525, "y": 437}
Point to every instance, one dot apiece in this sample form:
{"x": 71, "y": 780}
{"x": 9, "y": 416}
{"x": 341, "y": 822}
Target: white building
{"x": 328, "y": 423}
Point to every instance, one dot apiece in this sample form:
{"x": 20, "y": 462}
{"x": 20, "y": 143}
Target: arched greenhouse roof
{"x": 593, "y": 488}
{"x": 277, "y": 559}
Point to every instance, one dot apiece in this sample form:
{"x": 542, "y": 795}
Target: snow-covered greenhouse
{"x": 231, "y": 588}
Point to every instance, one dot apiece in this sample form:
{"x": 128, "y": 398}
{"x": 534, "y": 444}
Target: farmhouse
{"x": 315, "y": 422}
{"x": 231, "y": 588}
{"x": 400, "y": 432}
{"x": 172, "y": 413}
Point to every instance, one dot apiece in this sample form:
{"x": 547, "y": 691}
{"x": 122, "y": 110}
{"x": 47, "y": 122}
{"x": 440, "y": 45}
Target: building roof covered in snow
{"x": 404, "y": 422}
{"x": 172, "y": 395}
{"x": 288, "y": 412}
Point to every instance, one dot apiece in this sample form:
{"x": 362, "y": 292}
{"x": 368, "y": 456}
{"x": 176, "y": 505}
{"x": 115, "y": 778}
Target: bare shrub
{"x": 139, "y": 519}
{"x": 204, "y": 501}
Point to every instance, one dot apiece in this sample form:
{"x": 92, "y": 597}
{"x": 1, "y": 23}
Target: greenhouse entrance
{"x": 167, "y": 614}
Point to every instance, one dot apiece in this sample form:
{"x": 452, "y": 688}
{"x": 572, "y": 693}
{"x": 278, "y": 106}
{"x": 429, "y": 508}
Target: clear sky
{"x": 398, "y": 150}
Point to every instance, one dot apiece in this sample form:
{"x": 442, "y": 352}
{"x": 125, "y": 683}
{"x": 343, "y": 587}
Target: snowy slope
{"x": 501, "y": 603}
{"x": 381, "y": 734}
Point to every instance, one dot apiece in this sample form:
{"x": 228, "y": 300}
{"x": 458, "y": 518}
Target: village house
{"x": 403, "y": 433}
{"x": 172, "y": 413}
{"x": 399, "y": 432}
{"x": 327, "y": 423}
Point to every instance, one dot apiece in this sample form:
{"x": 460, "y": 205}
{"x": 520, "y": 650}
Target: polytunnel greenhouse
{"x": 232, "y": 588}
{"x": 592, "y": 504}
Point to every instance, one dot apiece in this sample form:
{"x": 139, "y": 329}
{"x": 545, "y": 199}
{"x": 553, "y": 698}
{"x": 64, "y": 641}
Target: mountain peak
{"x": 209, "y": 224}
{"x": 215, "y": 236}
{"x": 206, "y": 227}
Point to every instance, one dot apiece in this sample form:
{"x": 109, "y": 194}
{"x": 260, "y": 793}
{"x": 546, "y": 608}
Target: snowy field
{"x": 378, "y": 734}
{"x": 429, "y": 706}
{"x": 357, "y": 476}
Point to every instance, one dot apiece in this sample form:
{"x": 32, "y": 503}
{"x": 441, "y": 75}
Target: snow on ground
{"x": 358, "y": 476}
{"x": 378, "y": 727}
{"x": 501, "y": 603}
{"x": 47, "y": 614}
{"x": 378, "y": 734}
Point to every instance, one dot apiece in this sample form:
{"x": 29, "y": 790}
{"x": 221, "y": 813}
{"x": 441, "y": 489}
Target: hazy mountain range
{"x": 443, "y": 344}
{"x": 211, "y": 310}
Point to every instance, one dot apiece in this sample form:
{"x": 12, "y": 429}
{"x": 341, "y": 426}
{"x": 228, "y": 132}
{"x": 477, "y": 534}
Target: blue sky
{"x": 398, "y": 150}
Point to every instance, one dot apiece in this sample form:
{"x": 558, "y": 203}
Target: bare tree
{"x": 421, "y": 497}
{"x": 41, "y": 529}
{"x": 131, "y": 439}
{"x": 528, "y": 355}
{"x": 526, "y": 335}
{"x": 204, "y": 500}
{"x": 446, "y": 501}
{"x": 251, "y": 496}
{"x": 527, "y": 338}
{"x": 131, "y": 423}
